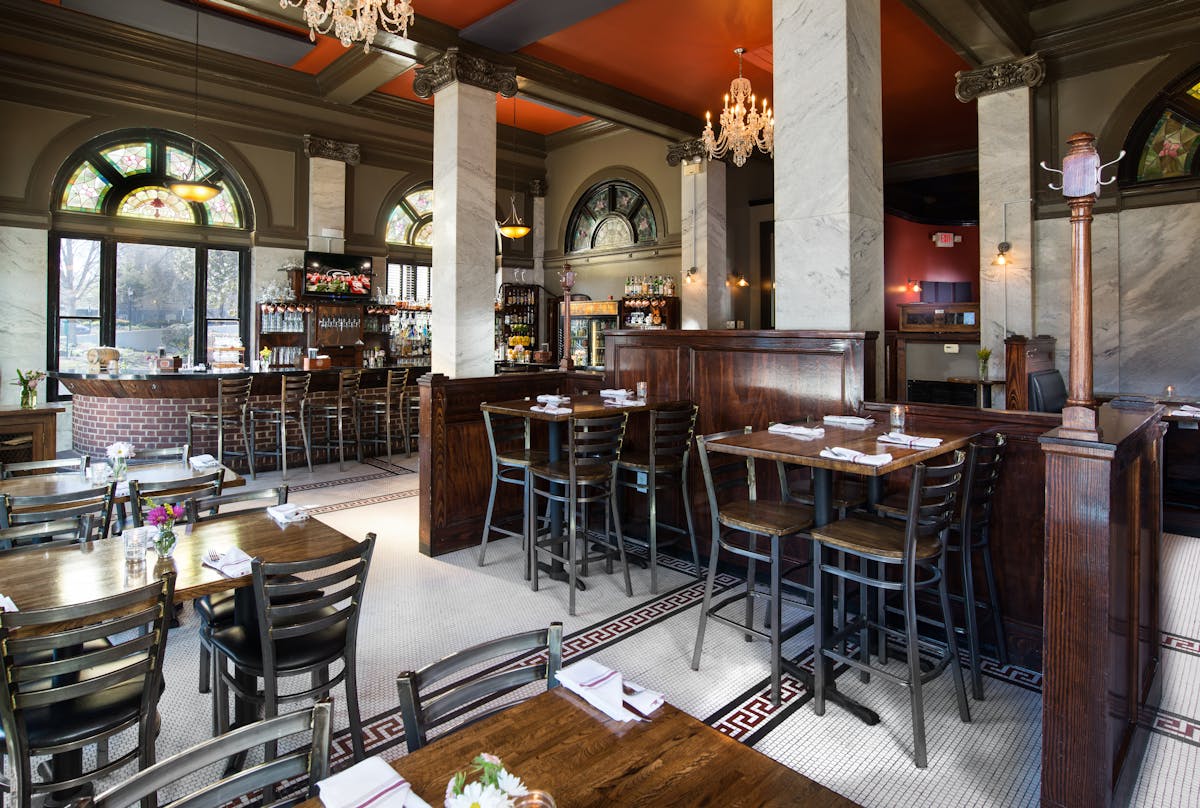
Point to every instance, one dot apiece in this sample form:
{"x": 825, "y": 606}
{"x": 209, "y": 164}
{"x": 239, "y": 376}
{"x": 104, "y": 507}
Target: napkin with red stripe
{"x": 840, "y": 453}
{"x": 911, "y": 441}
{"x": 608, "y": 691}
{"x": 370, "y": 784}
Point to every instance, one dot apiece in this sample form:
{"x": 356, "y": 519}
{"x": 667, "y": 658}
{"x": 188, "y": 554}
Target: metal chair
{"x": 301, "y": 630}
{"x": 232, "y": 411}
{"x": 731, "y": 484}
{"x": 45, "y": 535}
{"x": 664, "y": 465}
{"x": 585, "y": 477}
{"x": 78, "y": 465}
{"x": 166, "y": 453}
{"x": 915, "y": 549}
{"x": 293, "y": 408}
{"x": 66, "y": 685}
{"x": 430, "y": 697}
{"x": 345, "y": 409}
{"x": 510, "y": 448}
{"x": 310, "y": 762}
{"x": 176, "y": 492}
{"x": 389, "y": 408}
{"x": 410, "y": 410}
{"x": 93, "y": 504}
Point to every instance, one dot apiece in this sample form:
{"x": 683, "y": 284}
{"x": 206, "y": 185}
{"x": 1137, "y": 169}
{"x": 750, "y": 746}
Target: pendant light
{"x": 195, "y": 189}
{"x": 513, "y": 227}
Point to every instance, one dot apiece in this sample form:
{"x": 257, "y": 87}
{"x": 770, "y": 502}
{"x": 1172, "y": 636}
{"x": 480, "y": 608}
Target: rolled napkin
{"x": 203, "y": 461}
{"x": 624, "y": 402}
{"x": 369, "y": 784}
{"x": 553, "y": 399}
{"x": 1188, "y": 411}
{"x": 287, "y": 512}
{"x": 232, "y": 563}
{"x": 849, "y": 420}
{"x": 838, "y": 453}
{"x": 6, "y": 604}
{"x": 614, "y": 393}
{"x": 911, "y": 441}
{"x": 551, "y": 409}
{"x": 797, "y": 431}
{"x": 607, "y": 691}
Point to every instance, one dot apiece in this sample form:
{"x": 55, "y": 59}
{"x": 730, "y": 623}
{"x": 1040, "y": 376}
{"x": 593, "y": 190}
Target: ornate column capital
{"x": 688, "y": 151}
{"x": 537, "y": 187}
{"x": 1029, "y": 71}
{"x": 347, "y": 153}
{"x": 455, "y": 66}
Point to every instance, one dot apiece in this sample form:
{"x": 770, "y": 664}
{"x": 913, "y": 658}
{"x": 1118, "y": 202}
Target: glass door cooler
{"x": 589, "y": 320}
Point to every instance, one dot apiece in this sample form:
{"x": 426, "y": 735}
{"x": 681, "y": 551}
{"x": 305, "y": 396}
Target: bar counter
{"x": 150, "y": 409}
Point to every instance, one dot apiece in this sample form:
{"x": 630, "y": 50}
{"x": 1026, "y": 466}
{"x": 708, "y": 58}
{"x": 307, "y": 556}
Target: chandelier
{"x": 514, "y": 227}
{"x": 742, "y": 126}
{"x": 193, "y": 187}
{"x": 355, "y": 20}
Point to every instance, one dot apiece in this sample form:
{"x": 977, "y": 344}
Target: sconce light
{"x": 741, "y": 281}
{"x": 690, "y": 275}
{"x": 1002, "y": 252}
{"x": 914, "y": 286}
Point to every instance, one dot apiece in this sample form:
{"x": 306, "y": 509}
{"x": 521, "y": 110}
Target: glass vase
{"x": 983, "y": 367}
{"x": 120, "y": 466}
{"x": 28, "y": 398}
{"x": 164, "y": 542}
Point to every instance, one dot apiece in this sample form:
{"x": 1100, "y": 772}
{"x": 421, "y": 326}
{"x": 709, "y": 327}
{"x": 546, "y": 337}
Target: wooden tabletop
{"x": 37, "y": 579}
{"x": 581, "y": 405}
{"x": 39, "y": 485}
{"x": 773, "y": 446}
{"x": 558, "y": 743}
{"x": 974, "y": 380}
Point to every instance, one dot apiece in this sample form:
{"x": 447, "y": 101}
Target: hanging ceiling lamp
{"x": 355, "y": 20}
{"x": 742, "y": 126}
{"x": 193, "y": 188}
{"x": 513, "y": 227}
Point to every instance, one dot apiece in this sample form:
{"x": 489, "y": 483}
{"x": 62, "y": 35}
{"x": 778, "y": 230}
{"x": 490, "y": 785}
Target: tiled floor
{"x": 417, "y": 609}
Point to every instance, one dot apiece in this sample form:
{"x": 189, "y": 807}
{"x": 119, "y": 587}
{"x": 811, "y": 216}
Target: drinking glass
{"x": 534, "y": 798}
{"x": 135, "y": 547}
{"x": 898, "y": 417}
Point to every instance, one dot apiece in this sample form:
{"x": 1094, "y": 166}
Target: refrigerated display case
{"x": 589, "y": 320}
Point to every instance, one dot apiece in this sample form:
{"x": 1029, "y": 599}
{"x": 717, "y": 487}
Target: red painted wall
{"x": 909, "y": 253}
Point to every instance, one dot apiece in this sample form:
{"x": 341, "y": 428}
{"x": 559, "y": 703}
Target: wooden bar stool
{"x": 346, "y": 409}
{"x": 509, "y": 446}
{"x": 736, "y": 511}
{"x": 389, "y": 409}
{"x": 915, "y": 550}
{"x": 233, "y": 411}
{"x": 664, "y": 465}
{"x": 293, "y": 407}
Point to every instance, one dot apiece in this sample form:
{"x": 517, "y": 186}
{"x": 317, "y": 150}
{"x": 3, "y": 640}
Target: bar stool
{"x": 509, "y": 446}
{"x": 664, "y": 465}
{"x": 389, "y": 408}
{"x": 345, "y": 409}
{"x": 293, "y": 407}
{"x": 914, "y": 548}
{"x": 584, "y": 477}
{"x": 233, "y": 404}
{"x": 410, "y": 408}
{"x": 745, "y": 514}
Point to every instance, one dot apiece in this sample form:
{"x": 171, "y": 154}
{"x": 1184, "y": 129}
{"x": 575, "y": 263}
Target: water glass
{"x": 135, "y": 546}
{"x": 535, "y": 798}
{"x": 898, "y": 417}
{"x": 641, "y": 391}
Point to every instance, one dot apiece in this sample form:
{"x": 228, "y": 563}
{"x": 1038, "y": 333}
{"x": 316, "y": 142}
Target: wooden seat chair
{"x": 386, "y": 408}
{"x": 433, "y": 697}
{"x": 512, "y": 455}
{"x": 232, "y": 412}
{"x": 739, "y": 521}
{"x": 335, "y": 416}
{"x": 292, "y": 409}
{"x": 75, "y": 676}
{"x": 901, "y": 557}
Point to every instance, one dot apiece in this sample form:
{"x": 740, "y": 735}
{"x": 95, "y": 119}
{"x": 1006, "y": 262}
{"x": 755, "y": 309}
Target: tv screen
{"x": 337, "y": 275}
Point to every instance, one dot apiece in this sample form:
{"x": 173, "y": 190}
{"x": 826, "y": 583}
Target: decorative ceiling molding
{"x": 1028, "y": 71}
{"x": 347, "y": 153}
{"x": 455, "y": 66}
{"x": 689, "y": 151}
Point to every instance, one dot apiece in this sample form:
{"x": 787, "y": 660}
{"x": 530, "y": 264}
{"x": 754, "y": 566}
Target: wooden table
{"x": 983, "y": 388}
{"x": 766, "y": 445}
{"x": 40, "y": 485}
{"x": 28, "y": 434}
{"x": 558, "y": 743}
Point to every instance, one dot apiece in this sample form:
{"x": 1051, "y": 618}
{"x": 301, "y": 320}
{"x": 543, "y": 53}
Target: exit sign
{"x": 945, "y": 239}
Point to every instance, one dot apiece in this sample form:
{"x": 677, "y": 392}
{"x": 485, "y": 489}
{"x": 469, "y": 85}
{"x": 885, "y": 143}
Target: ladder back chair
{"x": 92, "y": 504}
{"x": 336, "y": 415}
{"x": 292, "y": 409}
{"x": 232, "y": 412}
{"x": 78, "y": 465}
{"x": 176, "y": 492}
{"x": 509, "y": 447}
{"x": 386, "y": 408}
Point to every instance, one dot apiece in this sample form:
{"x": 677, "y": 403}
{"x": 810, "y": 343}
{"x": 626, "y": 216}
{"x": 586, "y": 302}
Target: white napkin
{"x": 849, "y": 420}
{"x": 911, "y": 441}
{"x": 122, "y": 488}
{"x": 551, "y": 409}
{"x": 1187, "y": 410}
{"x": 371, "y": 783}
{"x": 624, "y": 402}
{"x": 287, "y": 512}
{"x": 203, "y": 461}
{"x": 6, "y": 604}
{"x": 614, "y": 393}
{"x": 796, "y": 431}
{"x": 838, "y": 453}
{"x": 233, "y": 563}
{"x": 604, "y": 689}
{"x": 552, "y": 399}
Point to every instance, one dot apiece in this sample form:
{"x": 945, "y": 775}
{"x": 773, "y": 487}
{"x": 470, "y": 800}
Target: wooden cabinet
{"x": 939, "y": 317}
{"x": 28, "y": 434}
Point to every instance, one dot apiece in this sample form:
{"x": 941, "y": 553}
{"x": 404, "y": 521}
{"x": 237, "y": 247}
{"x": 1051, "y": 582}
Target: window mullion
{"x": 108, "y": 291}
{"x": 200, "y": 321}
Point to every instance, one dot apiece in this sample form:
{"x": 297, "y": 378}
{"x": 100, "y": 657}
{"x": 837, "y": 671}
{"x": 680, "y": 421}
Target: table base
{"x": 832, "y": 694}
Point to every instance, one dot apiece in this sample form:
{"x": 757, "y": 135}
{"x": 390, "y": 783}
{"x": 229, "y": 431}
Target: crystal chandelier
{"x": 355, "y": 20}
{"x": 742, "y": 126}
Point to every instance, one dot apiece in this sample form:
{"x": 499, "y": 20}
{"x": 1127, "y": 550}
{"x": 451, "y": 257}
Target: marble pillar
{"x": 23, "y": 267}
{"x": 828, "y": 165}
{"x": 704, "y": 298}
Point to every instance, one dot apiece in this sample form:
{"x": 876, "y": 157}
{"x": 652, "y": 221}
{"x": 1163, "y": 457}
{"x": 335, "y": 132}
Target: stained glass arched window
{"x": 128, "y": 174}
{"x": 411, "y": 221}
{"x": 1165, "y": 141}
{"x": 610, "y": 215}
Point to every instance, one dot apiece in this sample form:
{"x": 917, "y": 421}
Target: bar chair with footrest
{"x": 511, "y": 455}
{"x": 335, "y": 416}
{"x": 232, "y": 412}
{"x": 292, "y": 409}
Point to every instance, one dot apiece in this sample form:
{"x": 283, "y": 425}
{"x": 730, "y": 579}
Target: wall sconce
{"x": 690, "y": 275}
{"x": 914, "y": 286}
{"x": 741, "y": 281}
{"x": 1002, "y": 252}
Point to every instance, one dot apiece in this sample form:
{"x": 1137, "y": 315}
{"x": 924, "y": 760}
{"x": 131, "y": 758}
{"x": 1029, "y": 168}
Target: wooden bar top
{"x": 558, "y": 743}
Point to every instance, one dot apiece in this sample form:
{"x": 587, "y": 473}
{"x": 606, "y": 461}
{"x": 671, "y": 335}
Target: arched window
{"x": 411, "y": 221}
{"x": 410, "y": 228}
{"x": 166, "y": 273}
{"x": 1165, "y": 141}
{"x": 611, "y": 214}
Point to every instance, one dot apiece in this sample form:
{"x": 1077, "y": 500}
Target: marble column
{"x": 1005, "y": 105}
{"x": 464, "y": 88}
{"x": 327, "y": 161}
{"x": 704, "y": 294}
{"x": 537, "y": 190}
{"x": 828, "y": 165}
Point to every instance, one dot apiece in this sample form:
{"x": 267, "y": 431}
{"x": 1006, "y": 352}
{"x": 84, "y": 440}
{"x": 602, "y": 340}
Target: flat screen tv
{"x": 337, "y": 275}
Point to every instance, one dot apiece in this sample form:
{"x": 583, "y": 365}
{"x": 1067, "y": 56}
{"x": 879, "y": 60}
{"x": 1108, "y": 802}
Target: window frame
{"x": 611, "y": 186}
{"x": 1174, "y": 99}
